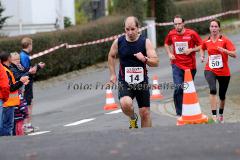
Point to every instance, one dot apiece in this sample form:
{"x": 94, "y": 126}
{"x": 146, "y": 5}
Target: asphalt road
{"x": 81, "y": 97}
{"x": 73, "y": 124}
{"x": 197, "y": 142}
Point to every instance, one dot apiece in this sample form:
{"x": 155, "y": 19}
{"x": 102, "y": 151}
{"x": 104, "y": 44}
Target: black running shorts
{"x": 140, "y": 91}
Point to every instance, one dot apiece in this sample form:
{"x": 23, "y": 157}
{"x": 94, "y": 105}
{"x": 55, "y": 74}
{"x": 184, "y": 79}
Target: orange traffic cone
{"x": 110, "y": 102}
{"x": 191, "y": 111}
{"x": 156, "y": 94}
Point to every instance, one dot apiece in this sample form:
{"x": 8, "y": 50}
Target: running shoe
{"x": 30, "y": 129}
{"x": 133, "y": 122}
{"x": 220, "y": 118}
{"x": 214, "y": 118}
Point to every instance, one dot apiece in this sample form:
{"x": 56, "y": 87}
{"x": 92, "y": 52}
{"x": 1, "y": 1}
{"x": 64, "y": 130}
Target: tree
{"x": 163, "y": 11}
{"x": 163, "y": 14}
{"x": 127, "y": 8}
{"x": 151, "y": 8}
{"x": 82, "y": 11}
{"x": 2, "y": 19}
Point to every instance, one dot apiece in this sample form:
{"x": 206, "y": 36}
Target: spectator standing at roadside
{"x": 27, "y": 46}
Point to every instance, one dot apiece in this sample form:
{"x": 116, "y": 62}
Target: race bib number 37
{"x": 134, "y": 75}
{"x": 180, "y": 47}
{"x": 215, "y": 61}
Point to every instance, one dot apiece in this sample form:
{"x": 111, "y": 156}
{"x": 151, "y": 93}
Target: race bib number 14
{"x": 180, "y": 47}
{"x": 134, "y": 75}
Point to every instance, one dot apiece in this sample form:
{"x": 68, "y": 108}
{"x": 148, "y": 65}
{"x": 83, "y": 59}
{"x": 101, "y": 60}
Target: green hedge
{"x": 230, "y": 5}
{"x": 66, "y": 60}
{"x": 129, "y": 8}
{"x": 164, "y": 13}
{"x": 189, "y": 9}
{"x": 197, "y": 9}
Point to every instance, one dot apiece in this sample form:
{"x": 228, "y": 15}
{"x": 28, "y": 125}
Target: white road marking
{"x": 38, "y": 133}
{"x": 115, "y": 112}
{"x": 79, "y": 122}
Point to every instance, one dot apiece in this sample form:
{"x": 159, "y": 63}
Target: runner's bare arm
{"x": 196, "y": 49}
{"x": 191, "y": 50}
{"x": 152, "y": 59}
{"x": 230, "y": 53}
{"x": 168, "y": 50}
{"x": 111, "y": 61}
{"x": 202, "y": 54}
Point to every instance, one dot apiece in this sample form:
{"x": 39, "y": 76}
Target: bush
{"x": 128, "y": 8}
{"x": 230, "y": 5}
{"x": 164, "y": 13}
{"x": 67, "y": 22}
{"x": 189, "y": 9}
{"x": 66, "y": 60}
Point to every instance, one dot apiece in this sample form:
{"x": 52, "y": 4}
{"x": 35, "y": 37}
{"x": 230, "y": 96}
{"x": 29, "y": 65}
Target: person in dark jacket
{"x": 13, "y": 100}
{"x": 20, "y": 112}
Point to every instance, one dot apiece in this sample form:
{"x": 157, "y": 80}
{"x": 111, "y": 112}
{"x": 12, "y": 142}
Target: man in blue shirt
{"x": 26, "y": 63}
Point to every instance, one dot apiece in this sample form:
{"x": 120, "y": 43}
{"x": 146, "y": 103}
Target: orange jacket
{"x": 13, "y": 99}
{"x": 4, "y": 84}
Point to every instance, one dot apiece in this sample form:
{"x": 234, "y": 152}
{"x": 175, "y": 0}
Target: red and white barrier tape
{"x": 103, "y": 40}
{"x": 96, "y": 41}
{"x": 212, "y": 16}
{"x": 196, "y": 20}
{"x": 47, "y": 51}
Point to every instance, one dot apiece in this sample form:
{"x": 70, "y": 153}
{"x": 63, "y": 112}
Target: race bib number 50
{"x": 215, "y": 61}
{"x": 180, "y": 47}
{"x": 134, "y": 75}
